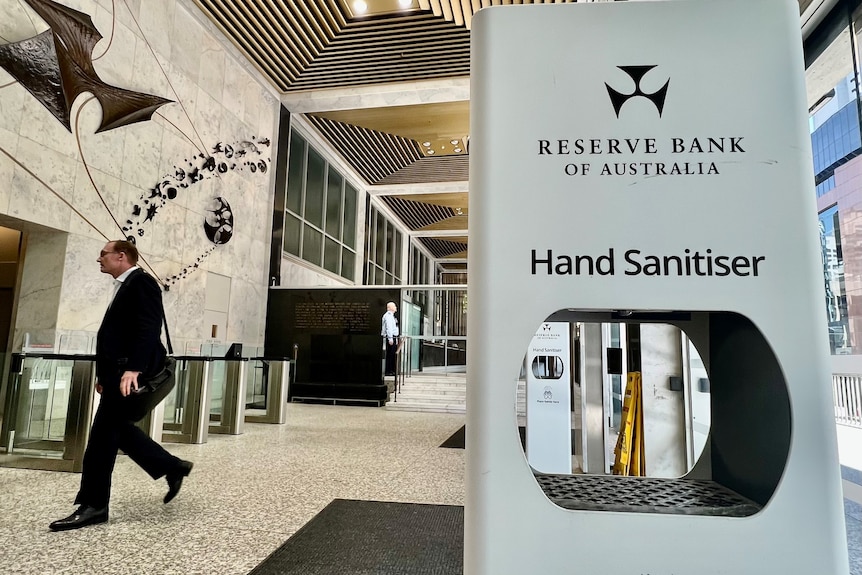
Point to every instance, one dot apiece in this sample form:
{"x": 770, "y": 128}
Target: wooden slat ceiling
{"x": 313, "y": 44}
{"x": 441, "y": 248}
{"x": 309, "y": 45}
{"x": 374, "y": 155}
{"x": 418, "y": 215}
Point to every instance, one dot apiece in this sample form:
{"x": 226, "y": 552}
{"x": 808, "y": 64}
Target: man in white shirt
{"x": 389, "y": 330}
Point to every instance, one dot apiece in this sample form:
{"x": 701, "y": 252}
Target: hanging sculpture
{"x": 56, "y": 66}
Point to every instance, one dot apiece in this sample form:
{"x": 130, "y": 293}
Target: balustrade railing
{"x": 847, "y": 398}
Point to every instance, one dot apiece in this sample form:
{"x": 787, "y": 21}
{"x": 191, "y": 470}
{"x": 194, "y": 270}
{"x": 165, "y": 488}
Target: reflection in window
{"x": 832, "y": 107}
{"x": 833, "y": 277}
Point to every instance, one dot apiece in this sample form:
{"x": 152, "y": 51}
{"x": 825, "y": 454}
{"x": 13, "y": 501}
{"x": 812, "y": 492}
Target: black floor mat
{"x": 457, "y": 439}
{"x": 373, "y": 538}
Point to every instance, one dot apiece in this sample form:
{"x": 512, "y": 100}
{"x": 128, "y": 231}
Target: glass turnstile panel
{"x": 43, "y": 404}
{"x": 186, "y": 412}
{"x": 256, "y": 388}
{"x": 219, "y": 375}
{"x": 48, "y": 411}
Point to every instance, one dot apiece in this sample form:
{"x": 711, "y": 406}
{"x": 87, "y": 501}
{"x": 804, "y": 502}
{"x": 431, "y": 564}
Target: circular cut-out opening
{"x": 661, "y": 412}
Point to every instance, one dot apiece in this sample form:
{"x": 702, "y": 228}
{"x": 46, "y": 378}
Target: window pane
{"x": 833, "y": 112}
{"x": 380, "y": 240}
{"x": 833, "y": 274}
{"x": 314, "y": 188}
{"x": 292, "y": 229}
{"x": 369, "y": 234}
{"x": 349, "y": 236}
{"x": 295, "y": 172}
{"x": 312, "y": 243}
{"x": 397, "y": 254}
{"x": 330, "y": 255}
{"x": 390, "y": 245}
{"x": 333, "y": 204}
{"x": 348, "y": 260}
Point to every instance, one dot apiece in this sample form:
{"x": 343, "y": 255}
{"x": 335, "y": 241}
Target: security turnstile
{"x": 186, "y": 410}
{"x": 268, "y": 402}
{"x": 49, "y": 408}
{"x": 227, "y": 403}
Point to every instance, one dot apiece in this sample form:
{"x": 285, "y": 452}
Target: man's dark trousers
{"x": 111, "y": 431}
{"x": 390, "y": 355}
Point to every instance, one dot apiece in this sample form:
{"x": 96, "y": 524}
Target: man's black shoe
{"x": 85, "y": 515}
{"x": 175, "y": 479}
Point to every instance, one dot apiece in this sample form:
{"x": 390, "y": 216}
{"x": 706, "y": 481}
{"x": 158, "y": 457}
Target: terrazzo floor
{"x": 246, "y": 495}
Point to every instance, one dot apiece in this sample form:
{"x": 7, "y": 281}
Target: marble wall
{"x": 72, "y": 191}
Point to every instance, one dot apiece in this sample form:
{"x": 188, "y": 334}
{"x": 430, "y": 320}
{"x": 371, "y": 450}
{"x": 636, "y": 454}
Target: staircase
{"x": 439, "y": 393}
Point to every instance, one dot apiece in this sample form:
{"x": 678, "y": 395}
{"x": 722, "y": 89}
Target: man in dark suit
{"x": 127, "y": 345}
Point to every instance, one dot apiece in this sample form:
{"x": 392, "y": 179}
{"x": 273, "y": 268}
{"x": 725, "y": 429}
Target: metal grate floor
{"x": 645, "y": 495}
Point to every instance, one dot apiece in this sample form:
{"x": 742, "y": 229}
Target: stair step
{"x": 428, "y": 399}
{"x": 429, "y": 408}
{"x": 432, "y": 390}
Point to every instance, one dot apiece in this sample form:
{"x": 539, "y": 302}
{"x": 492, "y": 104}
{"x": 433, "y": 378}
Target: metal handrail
{"x": 405, "y": 342}
{"x": 847, "y": 398}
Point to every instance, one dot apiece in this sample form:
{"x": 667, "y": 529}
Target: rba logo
{"x": 546, "y": 327}
{"x": 637, "y": 73}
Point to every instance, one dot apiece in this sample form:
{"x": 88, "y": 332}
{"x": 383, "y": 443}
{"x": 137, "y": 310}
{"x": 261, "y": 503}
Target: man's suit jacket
{"x": 129, "y": 337}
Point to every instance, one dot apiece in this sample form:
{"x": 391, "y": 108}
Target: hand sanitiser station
{"x": 651, "y": 160}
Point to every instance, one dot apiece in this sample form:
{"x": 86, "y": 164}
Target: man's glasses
{"x": 103, "y": 253}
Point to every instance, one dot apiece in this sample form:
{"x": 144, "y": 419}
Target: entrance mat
{"x": 457, "y": 439}
{"x": 373, "y": 538}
